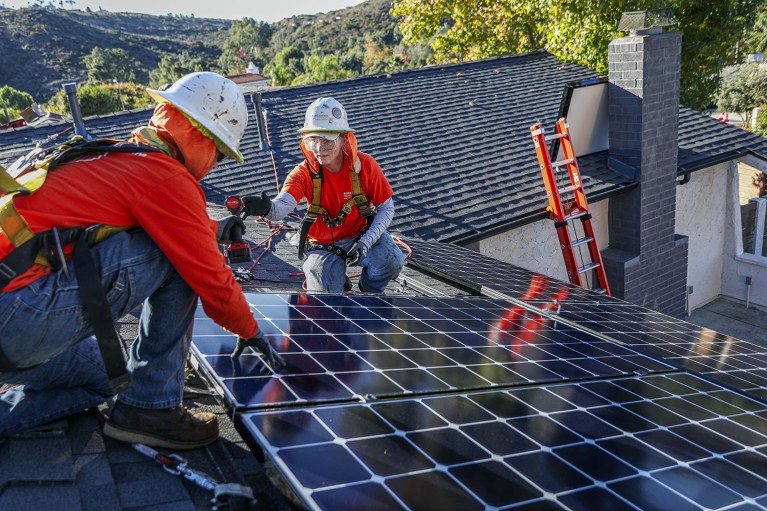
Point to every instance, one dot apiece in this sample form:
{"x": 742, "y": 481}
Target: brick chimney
{"x": 646, "y": 262}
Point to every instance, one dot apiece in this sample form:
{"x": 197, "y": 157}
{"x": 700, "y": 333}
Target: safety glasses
{"x": 319, "y": 143}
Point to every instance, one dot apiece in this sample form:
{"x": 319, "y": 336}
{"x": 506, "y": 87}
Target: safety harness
{"x": 316, "y": 211}
{"x": 24, "y": 178}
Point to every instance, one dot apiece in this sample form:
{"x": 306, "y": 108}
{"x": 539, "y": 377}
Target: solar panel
{"x": 491, "y": 277}
{"x": 358, "y": 347}
{"x": 671, "y": 441}
{"x": 739, "y": 364}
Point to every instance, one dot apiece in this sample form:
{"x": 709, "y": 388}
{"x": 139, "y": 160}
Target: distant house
{"x": 455, "y": 143}
{"x": 251, "y": 80}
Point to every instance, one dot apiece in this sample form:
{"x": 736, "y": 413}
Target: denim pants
{"x": 327, "y": 272}
{"x": 43, "y": 326}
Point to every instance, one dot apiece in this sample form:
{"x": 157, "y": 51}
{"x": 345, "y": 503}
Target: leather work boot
{"x": 171, "y": 428}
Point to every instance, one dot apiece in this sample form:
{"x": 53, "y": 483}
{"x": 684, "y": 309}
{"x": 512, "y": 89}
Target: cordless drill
{"x": 238, "y": 251}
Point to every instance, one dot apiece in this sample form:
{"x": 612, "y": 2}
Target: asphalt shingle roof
{"x": 453, "y": 140}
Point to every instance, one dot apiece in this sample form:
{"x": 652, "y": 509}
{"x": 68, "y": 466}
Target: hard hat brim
{"x": 327, "y": 135}
{"x": 318, "y": 130}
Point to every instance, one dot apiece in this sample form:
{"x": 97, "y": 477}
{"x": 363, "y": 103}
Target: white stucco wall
{"x": 701, "y": 215}
{"x": 536, "y": 246}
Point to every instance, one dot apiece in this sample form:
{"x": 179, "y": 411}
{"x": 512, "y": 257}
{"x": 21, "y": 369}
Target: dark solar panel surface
{"x": 343, "y": 348}
{"x": 490, "y": 276}
{"x": 736, "y": 363}
{"x": 672, "y": 441}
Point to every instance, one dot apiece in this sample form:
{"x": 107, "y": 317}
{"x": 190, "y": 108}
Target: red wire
{"x": 404, "y": 245}
{"x": 9, "y": 388}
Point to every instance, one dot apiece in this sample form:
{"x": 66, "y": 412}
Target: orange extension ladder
{"x": 575, "y": 207}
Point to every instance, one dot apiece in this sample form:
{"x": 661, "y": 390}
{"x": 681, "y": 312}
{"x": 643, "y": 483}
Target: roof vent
{"x": 646, "y": 22}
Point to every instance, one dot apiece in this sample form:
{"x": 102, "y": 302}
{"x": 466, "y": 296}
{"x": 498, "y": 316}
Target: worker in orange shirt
{"x": 349, "y": 201}
{"x": 166, "y": 256}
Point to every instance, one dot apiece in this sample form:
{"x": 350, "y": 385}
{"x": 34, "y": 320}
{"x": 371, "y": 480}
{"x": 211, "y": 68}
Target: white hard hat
{"x": 214, "y": 104}
{"x": 326, "y": 115}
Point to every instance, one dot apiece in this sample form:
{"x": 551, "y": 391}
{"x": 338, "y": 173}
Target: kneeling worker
{"x": 165, "y": 256}
{"x": 349, "y": 205}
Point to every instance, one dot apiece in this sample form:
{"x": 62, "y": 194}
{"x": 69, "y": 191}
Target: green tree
{"x": 743, "y": 89}
{"x": 12, "y": 102}
{"x": 578, "y": 31}
{"x": 98, "y": 99}
{"x": 107, "y": 64}
{"x": 171, "y": 68}
{"x": 322, "y": 69}
{"x": 287, "y": 65}
{"x": 756, "y": 40}
{"x": 247, "y": 41}
{"x": 761, "y": 129}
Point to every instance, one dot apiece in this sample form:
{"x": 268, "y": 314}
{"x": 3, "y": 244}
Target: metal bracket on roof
{"x": 259, "y": 113}
{"x": 648, "y": 21}
{"x": 70, "y": 89}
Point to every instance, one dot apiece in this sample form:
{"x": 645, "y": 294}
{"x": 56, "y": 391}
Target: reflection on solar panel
{"x": 669, "y": 441}
{"x": 342, "y": 348}
{"x": 739, "y": 364}
{"x": 492, "y": 277}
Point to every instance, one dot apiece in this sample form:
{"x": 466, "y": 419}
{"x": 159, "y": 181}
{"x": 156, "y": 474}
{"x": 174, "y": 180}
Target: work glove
{"x": 257, "y": 205}
{"x": 225, "y": 225}
{"x": 270, "y": 357}
{"x": 356, "y": 254}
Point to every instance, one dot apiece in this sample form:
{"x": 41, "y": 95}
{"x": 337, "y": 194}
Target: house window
{"x": 753, "y": 218}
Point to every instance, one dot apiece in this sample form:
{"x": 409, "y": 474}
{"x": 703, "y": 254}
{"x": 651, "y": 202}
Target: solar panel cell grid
{"x": 589, "y": 445}
{"x": 354, "y": 347}
{"x": 739, "y": 364}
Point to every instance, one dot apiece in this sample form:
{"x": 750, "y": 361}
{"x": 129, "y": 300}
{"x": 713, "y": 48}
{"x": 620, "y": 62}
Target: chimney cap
{"x": 644, "y": 20}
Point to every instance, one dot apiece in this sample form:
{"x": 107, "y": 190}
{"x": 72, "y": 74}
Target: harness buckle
{"x": 333, "y": 222}
{"x": 91, "y": 234}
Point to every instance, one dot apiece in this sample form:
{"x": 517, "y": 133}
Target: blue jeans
{"x": 327, "y": 272}
{"x": 44, "y": 328}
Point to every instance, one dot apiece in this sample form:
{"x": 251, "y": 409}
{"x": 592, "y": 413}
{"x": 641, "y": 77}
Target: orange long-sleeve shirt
{"x": 158, "y": 194}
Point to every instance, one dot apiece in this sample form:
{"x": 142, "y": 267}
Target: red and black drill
{"x": 238, "y": 251}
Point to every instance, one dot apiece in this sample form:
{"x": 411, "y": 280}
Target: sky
{"x": 261, "y": 10}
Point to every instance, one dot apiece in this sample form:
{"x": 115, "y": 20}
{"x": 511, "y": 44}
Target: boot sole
{"x": 138, "y": 437}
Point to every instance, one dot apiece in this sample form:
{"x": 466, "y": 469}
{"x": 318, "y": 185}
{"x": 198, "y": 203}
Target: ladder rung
{"x": 587, "y": 267}
{"x": 581, "y": 241}
{"x": 561, "y": 163}
{"x": 569, "y": 189}
{"x": 577, "y": 214}
{"x": 555, "y": 136}
{"x": 600, "y": 290}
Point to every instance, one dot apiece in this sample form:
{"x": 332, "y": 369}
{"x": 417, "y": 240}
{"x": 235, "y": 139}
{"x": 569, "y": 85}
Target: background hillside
{"x": 43, "y": 47}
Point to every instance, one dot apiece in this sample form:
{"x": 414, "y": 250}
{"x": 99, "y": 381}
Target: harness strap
{"x": 333, "y": 249}
{"x": 89, "y": 289}
{"x": 96, "y": 306}
{"x": 315, "y": 210}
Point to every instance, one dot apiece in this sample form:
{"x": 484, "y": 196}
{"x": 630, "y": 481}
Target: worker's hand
{"x": 225, "y": 225}
{"x": 271, "y": 358}
{"x": 356, "y": 254}
{"x": 257, "y": 205}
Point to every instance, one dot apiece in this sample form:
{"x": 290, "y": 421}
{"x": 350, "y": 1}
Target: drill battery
{"x": 238, "y": 252}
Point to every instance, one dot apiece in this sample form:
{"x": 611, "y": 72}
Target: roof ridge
{"x": 283, "y": 88}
